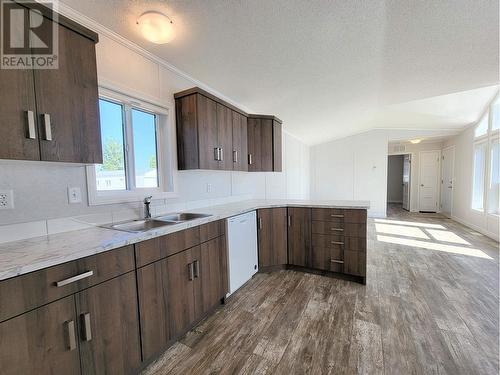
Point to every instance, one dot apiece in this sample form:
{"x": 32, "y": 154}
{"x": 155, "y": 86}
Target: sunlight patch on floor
{"x": 410, "y": 223}
{"x": 446, "y": 236}
{"x": 401, "y": 230}
{"x": 434, "y": 246}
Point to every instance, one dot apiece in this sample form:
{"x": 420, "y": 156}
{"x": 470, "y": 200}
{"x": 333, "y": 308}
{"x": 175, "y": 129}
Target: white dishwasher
{"x": 242, "y": 246}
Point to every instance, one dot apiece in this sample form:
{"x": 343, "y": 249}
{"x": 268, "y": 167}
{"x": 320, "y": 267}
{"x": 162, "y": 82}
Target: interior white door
{"x": 428, "y": 181}
{"x": 406, "y": 181}
{"x": 447, "y": 166}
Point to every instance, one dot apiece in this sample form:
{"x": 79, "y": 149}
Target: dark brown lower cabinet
{"x": 299, "y": 236}
{"x": 109, "y": 327}
{"x": 43, "y": 341}
{"x": 213, "y": 271}
{"x": 272, "y": 236}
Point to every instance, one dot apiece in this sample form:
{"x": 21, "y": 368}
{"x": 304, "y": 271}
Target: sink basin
{"x": 181, "y": 217}
{"x": 137, "y": 226}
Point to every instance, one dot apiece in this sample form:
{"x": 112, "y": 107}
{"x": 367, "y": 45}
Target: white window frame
{"x": 165, "y": 150}
{"x": 487, "y": 138}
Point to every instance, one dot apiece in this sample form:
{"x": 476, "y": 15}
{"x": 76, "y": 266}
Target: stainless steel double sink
{"x": 143, "y": 225}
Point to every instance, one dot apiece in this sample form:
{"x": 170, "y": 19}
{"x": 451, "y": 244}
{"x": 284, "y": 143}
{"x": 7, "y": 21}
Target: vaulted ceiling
{"x": 329, "y": 68}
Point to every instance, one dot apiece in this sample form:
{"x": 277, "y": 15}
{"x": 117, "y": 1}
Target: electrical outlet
{"x": 6, "y": 199}
{"x": 209, "y": 188}
{"x": 74, "y": 195}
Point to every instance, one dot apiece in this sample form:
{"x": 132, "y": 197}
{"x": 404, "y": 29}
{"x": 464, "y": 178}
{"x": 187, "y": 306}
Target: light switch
{"x": 74, "y": 195}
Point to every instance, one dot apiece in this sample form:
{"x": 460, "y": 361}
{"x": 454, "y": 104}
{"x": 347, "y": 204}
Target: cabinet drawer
{"x": 26, "y": 292}
{"x": 326, "y": 227}
{"x": 338, "y": 215}
{"x": 150, "y": 251}
{"x": 337, "y": 259}
{"x": 328, "y": 241}
{"x": 212, "y": 230}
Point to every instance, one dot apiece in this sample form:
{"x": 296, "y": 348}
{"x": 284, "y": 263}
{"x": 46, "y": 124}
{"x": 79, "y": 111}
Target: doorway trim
{"x": 452, "y": 147}
{"x": 413, "y": 155}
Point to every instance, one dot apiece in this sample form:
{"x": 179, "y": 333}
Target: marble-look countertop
{"x": 20, "y": 257}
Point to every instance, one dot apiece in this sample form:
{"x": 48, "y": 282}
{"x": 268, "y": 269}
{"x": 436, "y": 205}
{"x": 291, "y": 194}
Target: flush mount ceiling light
{"x": 156, "y": 27}
{"x": 415, "y": 141}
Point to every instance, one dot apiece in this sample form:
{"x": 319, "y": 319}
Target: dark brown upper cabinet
{"x": 264, "y": 144}
{"x": 53, "y": 114}
{"x": 213, "y": 134}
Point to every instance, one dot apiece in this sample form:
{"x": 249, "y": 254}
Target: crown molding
{"x": 100, "y": 29}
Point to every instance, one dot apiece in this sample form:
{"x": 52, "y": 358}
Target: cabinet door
{"x": 180, "y": 292}
{"x": 266, "y": 141}
{"x": 207, "y": 132}
{"x": 109, "y": 327}
{"x": 17, "y": 97}
{"x": 69, "y": 95}
{"x": 211, "y": 272}
{"x": 41, "y": 342}
{"x": 299, "y": 236}
{"x": 277, "y": 147}
{"x": 272, "y": 225}
{"x": 240, "y": 149}
{"x": 153, "y": 308}
{"x": 225, "y": 137}
{"x": 254, "y": 145}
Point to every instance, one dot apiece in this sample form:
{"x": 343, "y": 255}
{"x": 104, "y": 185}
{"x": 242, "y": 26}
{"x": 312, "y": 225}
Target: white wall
{"x": 395, "y": 179}
{"x": 462, "y": 187}
{"x": 352, "y": 168}
{"x": 40, "y": 188}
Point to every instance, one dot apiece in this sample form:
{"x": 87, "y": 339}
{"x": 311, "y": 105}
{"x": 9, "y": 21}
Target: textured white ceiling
{"x": 328, "y": 68}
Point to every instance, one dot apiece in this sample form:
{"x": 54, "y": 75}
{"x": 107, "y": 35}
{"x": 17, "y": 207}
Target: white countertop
{"x": 20, "y": 257}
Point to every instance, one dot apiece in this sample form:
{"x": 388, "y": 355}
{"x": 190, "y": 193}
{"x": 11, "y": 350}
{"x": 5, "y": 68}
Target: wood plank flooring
{"x": 423, "y": 311}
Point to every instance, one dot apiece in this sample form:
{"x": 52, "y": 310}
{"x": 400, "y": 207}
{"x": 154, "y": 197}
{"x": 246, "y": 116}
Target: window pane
{"x": 145, "y": 155}
{"x": 494, "y": 191}
{"x": 478, "y": 179}
{"x": 482, "y": 127}
{"x": 495, "y": 115}
{"x": 110, "y": 175}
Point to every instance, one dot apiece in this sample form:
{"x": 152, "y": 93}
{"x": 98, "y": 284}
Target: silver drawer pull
{"x": 337, "y": 261}
{"x": 336, "y": 243}
{"x": 74, "y": 278}
{"x": 337, "y": 229}
{"x": 250, "y": 159}
{"x": 334, "y": 215}
{"x": 48, "y": 127}
{"x": 235, "y": 156}
{"x": 216, "y": 153}
{"x": 221, "y": 154}
{"x": 31, "y": 124}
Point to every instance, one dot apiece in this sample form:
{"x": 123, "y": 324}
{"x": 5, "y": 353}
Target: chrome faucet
{"x": 147, "y": 209}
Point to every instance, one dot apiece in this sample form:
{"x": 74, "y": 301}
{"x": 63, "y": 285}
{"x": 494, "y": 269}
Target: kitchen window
{"x": 136, "y": 162}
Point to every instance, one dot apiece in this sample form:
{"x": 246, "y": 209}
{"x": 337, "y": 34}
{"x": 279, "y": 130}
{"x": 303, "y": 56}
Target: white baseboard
{"x": 489, "y": 234}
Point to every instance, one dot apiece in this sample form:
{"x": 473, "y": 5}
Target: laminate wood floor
{"x": 430, "y": 306}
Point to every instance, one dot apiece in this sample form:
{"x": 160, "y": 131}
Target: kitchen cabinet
{"x": 109, "y": 327}
{"x": 264, "y": 144}
{"x": 42, "y": 341}
{"x": 272, "y": 237}
{"x": 299, "y": 236}
{"x": 205, "y": 131}
{"x": 52, "y": 114}
{"x": 240, "y": 147}
{"x": 213, "y": 273}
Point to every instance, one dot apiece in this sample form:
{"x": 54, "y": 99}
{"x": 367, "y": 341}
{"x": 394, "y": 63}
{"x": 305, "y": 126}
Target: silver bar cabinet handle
{"x": 191, "y": 271}
{"x": 221, "y": 157}
{"x": 48, "y": 128}
{"x": 74, "y": 279}
{"x": 196, "y": 269}
{"x": 70, "y": 329}
{"x": 337, "y": 229}
{"x": 250, "y": 159}
{"x": 337, "y": 261}
{"x": 334, "y": 215}
{"x": 260, "y": 223}
{"x": 216, "y": 153}
{"x": 235, "y": 156}
{"x": 336, "y": 243}
{"x": 289, "y": 221}
{"x": 31, "y": 124}
{"x": 86, "y": 328}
